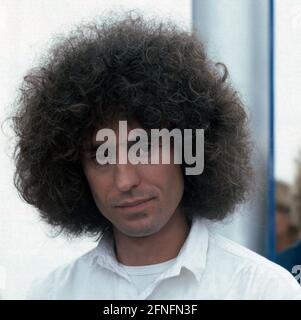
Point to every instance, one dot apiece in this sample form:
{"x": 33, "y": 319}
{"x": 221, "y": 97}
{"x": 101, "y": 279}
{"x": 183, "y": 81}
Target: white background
{"x": 26, "y": 27}
{"x": 287, "y": 87}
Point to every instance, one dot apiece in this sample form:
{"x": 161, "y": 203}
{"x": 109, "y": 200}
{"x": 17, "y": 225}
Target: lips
{"x": 129, "y": 204}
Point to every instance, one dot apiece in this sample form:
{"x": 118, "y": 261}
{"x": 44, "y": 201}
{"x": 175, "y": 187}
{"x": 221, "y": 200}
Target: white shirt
{"x": 208, "y": 266}
{"x": 143, "y": 276}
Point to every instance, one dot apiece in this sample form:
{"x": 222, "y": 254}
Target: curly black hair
{"x": 150, "y": 71}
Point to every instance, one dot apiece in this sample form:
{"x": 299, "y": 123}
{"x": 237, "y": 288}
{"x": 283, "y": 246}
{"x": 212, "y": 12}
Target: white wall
{"x": 26, "y": 26}
{"x": 237, "y": 33}
{"x": 287, "y": 87}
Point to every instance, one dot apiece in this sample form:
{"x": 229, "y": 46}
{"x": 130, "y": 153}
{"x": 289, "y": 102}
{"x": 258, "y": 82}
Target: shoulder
{"x": 252, "y": 273}
{"x": 60, "y": 279}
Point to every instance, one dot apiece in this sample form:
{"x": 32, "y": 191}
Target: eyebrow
{"x": 92, "y": 148}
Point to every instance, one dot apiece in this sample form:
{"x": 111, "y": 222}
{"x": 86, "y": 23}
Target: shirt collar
{"x": 104, "y": 254}
{"x": 192, "y": 255}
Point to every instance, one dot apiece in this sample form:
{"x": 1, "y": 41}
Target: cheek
{"x": 175, "y": 188}
{"x": 177, "y": 182}
{"x": 169, "y": 179}
{"x": 96, "y": 183}
{"x": 174, "y": 176}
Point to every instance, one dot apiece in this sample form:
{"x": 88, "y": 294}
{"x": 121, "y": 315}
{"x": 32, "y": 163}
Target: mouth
{"x": 136, "y": 205}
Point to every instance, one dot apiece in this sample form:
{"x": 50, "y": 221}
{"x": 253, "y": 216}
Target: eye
{"x": 100, "y": 159}
{"x": 145, "y": 149}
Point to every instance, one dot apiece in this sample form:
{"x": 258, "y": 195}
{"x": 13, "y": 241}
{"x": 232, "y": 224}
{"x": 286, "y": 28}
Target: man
{"x": 286, "y": 229}
{"x": 287, "y": 214}
{"x": 151, "y": 217}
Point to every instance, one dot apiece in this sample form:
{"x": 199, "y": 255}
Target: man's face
{"x": 137, "y": 199}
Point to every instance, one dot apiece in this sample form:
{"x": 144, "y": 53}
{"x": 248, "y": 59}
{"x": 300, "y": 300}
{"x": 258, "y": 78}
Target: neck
{"x": 156, "y": 248}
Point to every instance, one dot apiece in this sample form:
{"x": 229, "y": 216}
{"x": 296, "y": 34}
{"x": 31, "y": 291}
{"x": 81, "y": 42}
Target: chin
{"x": 141, "y": 230}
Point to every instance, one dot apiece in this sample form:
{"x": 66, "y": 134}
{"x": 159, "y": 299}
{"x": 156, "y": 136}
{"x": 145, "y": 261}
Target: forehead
{"x": 112, "y": 125}
{"x": 115, "y": 125}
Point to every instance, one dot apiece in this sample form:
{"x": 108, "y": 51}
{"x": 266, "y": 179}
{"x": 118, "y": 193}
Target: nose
{"x": 126, "y": 177}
